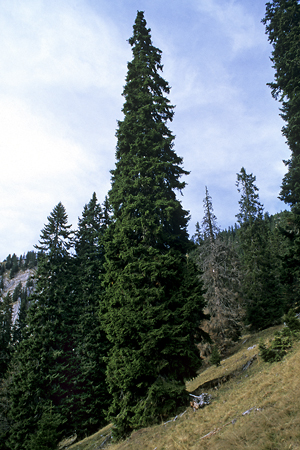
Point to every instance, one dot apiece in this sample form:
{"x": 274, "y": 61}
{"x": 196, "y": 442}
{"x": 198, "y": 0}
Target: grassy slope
{"x": 272, "y": 390}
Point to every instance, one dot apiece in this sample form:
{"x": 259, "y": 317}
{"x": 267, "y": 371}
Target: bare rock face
{"x": 10, "y": 285}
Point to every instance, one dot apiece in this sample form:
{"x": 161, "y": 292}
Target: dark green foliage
{"x": 57, "y": 375}
{"x": 282, "y": 20}
{"x": 13, "y": 271}
{"x": 56, "y": 235}
{"x": 283, "y": 339}
{"x": 17, "y": 292}
{"x": 5, "y": 333}
{"x": 291, "y": 320}
{"x": 13, "y": 264}
{"x": 8, "y": 262}
{"x": 215, "y": 358}
{"x": 197, "y": 238}
{"x": 279, "y": 347}
{"x": 30, "y": 260}
{"x": 152, "y": 305}
{"x": 261, "y": 285}
{"x": 4, "y": 423}
{"x": 291, "y": 258}
{"x": 92, "y": 345}
{"x": 210, "y": 228}
{"x": 230, "y": 236}
{"x": 250, "y": 207}
{"x": 46, "y": 437}
{"x": 44, "y": 367}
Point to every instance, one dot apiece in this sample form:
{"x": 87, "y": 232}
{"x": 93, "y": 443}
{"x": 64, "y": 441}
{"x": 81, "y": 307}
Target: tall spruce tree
{"x": 92, "y": 345}
{"x": 282, "y": 20}
{"x": 152, "y": 305}
{"x": 261, "y": 285}
{"x": 45, "y": 365}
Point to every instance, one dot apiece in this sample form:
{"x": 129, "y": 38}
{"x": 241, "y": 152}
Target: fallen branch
{"x": 105, "y": 440}
{"x": 200, "y": 401}
{"x": 215, "y": 431}
{"x": 176, "y": 417}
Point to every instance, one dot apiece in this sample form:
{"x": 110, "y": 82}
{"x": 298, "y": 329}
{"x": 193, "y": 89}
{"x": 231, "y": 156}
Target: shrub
{"x": 282, "y": 342}
{"x": 215, "y": 357}
{"x": 291, "y": 320}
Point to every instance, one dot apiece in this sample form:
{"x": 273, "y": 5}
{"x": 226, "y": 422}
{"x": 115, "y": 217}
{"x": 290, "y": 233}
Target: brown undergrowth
{"x": 257, "y": 408}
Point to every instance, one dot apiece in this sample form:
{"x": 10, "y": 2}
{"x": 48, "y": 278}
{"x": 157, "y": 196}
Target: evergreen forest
{"x": 119, "y": 312}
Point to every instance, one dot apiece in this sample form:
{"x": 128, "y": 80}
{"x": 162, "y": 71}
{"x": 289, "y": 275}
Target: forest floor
{"x": 255, "y": 405}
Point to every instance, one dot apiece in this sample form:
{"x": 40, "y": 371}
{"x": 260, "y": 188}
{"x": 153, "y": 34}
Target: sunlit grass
{"x": 272, "y": 390}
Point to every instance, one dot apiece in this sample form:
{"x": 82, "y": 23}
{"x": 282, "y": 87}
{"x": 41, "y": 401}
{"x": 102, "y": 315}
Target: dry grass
{"x": 95, "y": 441}
{"x": 273, "y": 391}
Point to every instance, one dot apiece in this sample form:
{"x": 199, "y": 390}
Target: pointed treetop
{"x": 56, "y": 235}
{"x": 209, "y": 222}
{"x": 144, "y": 85}
{"x": 250, "y": 206}
{"x": 140, "y": 32}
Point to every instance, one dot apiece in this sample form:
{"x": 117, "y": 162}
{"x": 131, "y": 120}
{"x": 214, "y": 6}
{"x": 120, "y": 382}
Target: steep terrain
{"x": 255, "y": 405}
{"x": 10, "y": 285}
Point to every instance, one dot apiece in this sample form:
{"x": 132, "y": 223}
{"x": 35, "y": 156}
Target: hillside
{"x": 9, "y": 285}
{"x": 255, "y": 405}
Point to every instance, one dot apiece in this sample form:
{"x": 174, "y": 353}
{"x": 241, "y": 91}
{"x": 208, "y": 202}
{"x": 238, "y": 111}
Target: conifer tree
{"x": 92, "y": 345}
{"x": 44, "y": 367}
{"x": 152, "y": 306}
{"x": 261, "y": 286}
{"x": 8, "y": 262}
{"x": 220, "y": 271}
{"x": 282, "y": 20}
{"x": 250, "y": 206}
{"x": 5, "y": 333}
{"x": 215, "y": 357}
{"x": 282, "y": 26}
{"x": 209, "y": 223}
{"x": 197, "y": 238}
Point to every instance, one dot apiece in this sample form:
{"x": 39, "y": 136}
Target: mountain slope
{"x": 257, "y": 408}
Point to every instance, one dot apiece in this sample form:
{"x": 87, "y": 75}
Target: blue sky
{"x": 63, "y": 67}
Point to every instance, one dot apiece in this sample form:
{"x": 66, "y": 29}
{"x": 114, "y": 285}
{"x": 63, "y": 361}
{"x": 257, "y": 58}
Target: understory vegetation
{"x": 120, "y": 315}
{"x": 257, "y": 407}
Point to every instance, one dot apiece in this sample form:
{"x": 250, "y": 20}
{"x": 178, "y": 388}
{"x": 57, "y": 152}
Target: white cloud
{"x": 51, "y": 43}
{"x": 29, "y": 146}
{"x": 234, "y": 22}
{"x": 63, "y": 65}
{"x": 38, "y": 169}
{"x": 54, "y": 55}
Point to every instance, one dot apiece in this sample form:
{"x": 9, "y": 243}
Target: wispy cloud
{"x": 52, "y": 53}
{"x": 63, "y": 68}
{"x": 234, "y": 23}
{"x": 50, "y": 43}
